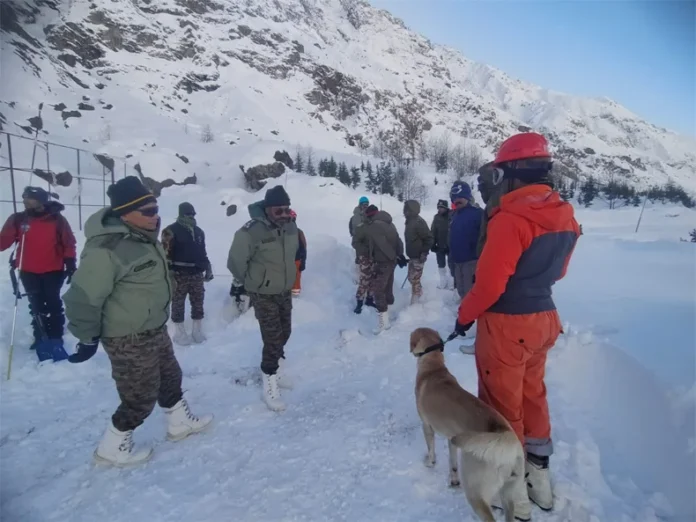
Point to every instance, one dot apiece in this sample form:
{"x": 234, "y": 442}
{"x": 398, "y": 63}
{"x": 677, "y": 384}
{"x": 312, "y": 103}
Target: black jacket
{"x": 186, "y": 252}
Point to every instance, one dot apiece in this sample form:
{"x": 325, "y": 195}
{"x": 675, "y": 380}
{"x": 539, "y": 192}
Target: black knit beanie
{"x": 186, "y": 209}
{"x": 442, "y": 203}
{"x": 35, "y": 193}
{"x": 128, "y": 194}
{"x": 276, "y": 197}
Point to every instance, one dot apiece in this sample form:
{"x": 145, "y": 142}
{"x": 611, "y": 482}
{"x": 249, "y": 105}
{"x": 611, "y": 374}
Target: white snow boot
{"x": 181, "y": 422}
{"x": 539, "y": 482}
{"x": 282, "y": 376}
{"x": 181, "y": 337}
{"x": 271, "y": 393}
{"x": 468, "y": 349}
{"x": 444, "y": 278}
{"x": 197, "y": 334}
{"x": 295, "y": 292}
{"x": 382, "y": 322}
{"x": 116, "y": 449}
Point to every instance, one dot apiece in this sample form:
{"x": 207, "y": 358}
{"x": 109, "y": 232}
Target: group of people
{"x": 504, "y": 260}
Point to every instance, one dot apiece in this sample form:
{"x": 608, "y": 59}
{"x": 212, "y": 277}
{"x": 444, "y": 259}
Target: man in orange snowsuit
{"x": 530, "y": 238}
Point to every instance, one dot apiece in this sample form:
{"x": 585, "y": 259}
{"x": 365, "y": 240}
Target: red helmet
{"x": 523, "y": 146}
{"x": 293, "y": 214}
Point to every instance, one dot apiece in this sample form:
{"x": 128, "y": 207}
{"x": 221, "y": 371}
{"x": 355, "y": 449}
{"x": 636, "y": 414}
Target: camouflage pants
{"x": 366, "y": 271}
{"x": 415, "y": 273}
{"x": 274, "y": 314}
{"x": 190, "y": 285}
{"x": 382, "y": 286}
{"x": 146, "y": 371}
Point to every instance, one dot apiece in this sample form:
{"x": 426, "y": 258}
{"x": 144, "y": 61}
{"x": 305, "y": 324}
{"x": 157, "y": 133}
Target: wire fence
{"x": 30, "y": 161}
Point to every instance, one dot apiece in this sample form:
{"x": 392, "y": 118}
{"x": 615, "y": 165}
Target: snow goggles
{"x": 149, "y": 212}
{"x": 521, "y": 169}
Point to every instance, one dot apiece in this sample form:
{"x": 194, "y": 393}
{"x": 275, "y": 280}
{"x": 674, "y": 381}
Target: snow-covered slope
{"x": 326, "y": 73}
{"x": 349, "y": 446}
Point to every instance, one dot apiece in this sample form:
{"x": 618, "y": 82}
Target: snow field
{"x": 350, "y": 446}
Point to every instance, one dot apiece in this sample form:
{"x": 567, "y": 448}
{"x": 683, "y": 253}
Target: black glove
{"x": 433, "y": 249}
{"x": 401, "y": 261}
{"x": 303, "y": 265}
{"x": 237, "y": 290}
{"x": 208, "y": 273}
{"x": 445, "y": 251}
{"x": 461, "y": 329}
{"x": 70, "y": 268}
{"x": 85, "y": 351}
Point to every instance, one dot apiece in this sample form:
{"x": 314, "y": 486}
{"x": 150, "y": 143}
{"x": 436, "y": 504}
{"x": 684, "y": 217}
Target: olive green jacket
{"x": 122, "y": 284}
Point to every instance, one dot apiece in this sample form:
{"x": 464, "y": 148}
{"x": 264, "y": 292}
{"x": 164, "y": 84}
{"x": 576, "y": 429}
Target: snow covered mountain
{"x": 340, "y": 71}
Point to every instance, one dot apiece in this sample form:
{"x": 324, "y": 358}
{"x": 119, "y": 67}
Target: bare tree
{"x": 207, "y": 135}
{"x": 474, "y": 159}
{"x": 411, "y": 123}
{"x": 440, "y": 152}
{"x": 410, "y": 186}
{"x": 458, "y": 161}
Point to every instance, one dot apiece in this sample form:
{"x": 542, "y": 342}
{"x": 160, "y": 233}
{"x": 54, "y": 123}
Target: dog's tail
{"x": 500, "y": 448}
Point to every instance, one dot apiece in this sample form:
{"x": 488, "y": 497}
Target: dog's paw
{"x": 429, "y": 461}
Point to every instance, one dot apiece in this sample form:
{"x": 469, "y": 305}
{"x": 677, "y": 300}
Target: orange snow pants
{"x": 298, "y": 276}
{"x": 511, "y": 361}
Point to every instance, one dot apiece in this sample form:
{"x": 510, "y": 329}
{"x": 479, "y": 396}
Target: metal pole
{"x": 25, "y": 229}
{"x": 103, "y": 186}
{"x": 12, "y": 180}
{"x": 79, "y": 190}
{"x": 641, "y": 213}
{"x": 48, "y": 171}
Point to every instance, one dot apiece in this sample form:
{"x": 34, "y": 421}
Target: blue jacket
{"x": 464, "y": 233}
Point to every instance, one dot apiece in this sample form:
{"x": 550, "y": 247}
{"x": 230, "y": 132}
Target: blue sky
{"x": 640, "y": 54}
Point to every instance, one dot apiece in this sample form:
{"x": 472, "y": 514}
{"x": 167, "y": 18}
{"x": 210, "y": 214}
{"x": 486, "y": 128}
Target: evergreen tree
{"x": 332, "y": 168}
{"x": 692, "y": 235}
{"x": 355, "y": 176}
{"x": 309, "y": 168}
{"x": 323, "y": 167}
{"x": 372, "y": 181}
{"x": 368, "y": 168}
{"x": 299, "y": 164}
{"x": 435, "y": 181}
{"x": 564, "y": 191}
{"x": 362, "y": 166}
{"x": 387, "y": 180}
{"x": 588, "y": 192}
{"x": 441, "y": 162}
{"x": 636, "y": 201}
{"x": 400, "y": 196}
{"x": 343, "y": 174}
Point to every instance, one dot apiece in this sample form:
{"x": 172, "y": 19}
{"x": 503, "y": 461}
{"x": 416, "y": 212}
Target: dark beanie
{"x": 371, "y": 211}
{"x": 442, "y": 203}
{"x": 128, "y": 194}
{"x": 186, "y": 209}
{"x": 276, "y": 197}
{"x": 35, "y": 193}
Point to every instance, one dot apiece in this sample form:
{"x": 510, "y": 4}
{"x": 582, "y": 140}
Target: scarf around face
{"x": 188, "y": 222}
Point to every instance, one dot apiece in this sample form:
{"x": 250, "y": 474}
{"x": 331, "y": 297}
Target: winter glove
{"x": 208, "y": 273}
{"x": 461, "y": 329}
{"x": 85, "y": 351}
{"x": 445, "y": 251}
{"x": 70, "y": 268}
{"x": 237, "y": 290}
{"x": 433, "y": 249}
{"x": 401, "y": 261}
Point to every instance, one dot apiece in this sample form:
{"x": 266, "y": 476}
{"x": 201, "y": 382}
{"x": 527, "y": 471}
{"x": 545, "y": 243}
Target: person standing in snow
{"x": 530, "y": 238}
{"x": 363, "y": 263}
{"x": 184, "y": 243}
{"x": 378, "y": 239}
{"x": 418, "y": 240}
{"x": 300, "y": 257}
{"x": 440, "y": 231}
{"x": 45, "y": 258}
{"x": 120, "y": 295}
{"x": 262, "y": 261}
{"x": 463, "y": 237}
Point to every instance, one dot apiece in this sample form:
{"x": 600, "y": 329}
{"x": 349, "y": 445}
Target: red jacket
{"x": 531, "y": 236}
{"x": 49, "y": 240}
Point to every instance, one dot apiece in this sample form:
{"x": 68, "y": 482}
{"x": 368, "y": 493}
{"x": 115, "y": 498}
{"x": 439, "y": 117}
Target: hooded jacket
{"x": 262, "y": 255}
{"x": 417, "y": 235}
{"x": 531, "y": 237}
{"x": 49, "y": 239}
{"x": 122, "y": 285}
{"x": 465, "y": 229}
{"x": 378, "y": 239}
{"x": 440, "y": 230}
{"x": 355, "y": 220}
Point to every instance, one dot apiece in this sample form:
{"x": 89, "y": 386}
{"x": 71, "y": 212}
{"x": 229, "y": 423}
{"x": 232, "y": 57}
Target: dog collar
{"x": 435, "y": 347}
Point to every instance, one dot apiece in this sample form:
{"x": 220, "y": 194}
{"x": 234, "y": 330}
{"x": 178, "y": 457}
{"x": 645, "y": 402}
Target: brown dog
{"x": 492, "y": 458}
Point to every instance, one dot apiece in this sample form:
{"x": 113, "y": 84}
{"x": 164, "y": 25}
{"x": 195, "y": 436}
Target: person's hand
{"x": 237, "y": 290}
{"x": 85, "y": 351}
{"x": 433, "y": 249}
{"x": 461, "y": 329}
{"x": 208, "y": 273}
{"x": 70, "y": 268}
{"x": 401, "y": 261}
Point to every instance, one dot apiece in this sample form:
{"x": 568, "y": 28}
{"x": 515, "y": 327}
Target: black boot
{"x": 370, "y": 301}
{"x": 358, "y": 308}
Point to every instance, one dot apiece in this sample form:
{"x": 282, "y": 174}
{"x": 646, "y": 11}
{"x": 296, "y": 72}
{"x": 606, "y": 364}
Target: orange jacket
{"x": 531, "y": 236}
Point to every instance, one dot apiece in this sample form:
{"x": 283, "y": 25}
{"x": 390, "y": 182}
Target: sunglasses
{"x": 149, "y": 212}
{"x": 281, "y": 211}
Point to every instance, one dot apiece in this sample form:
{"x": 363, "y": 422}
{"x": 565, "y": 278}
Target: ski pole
{"x": 24, "y": 228}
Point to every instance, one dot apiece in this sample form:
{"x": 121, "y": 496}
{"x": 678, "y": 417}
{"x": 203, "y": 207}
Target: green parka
{"x": 262, "y": 255}
{"x": 122, "y": 284}
{"x": 378, "y": 239}
{"x": 418, "y": 237}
